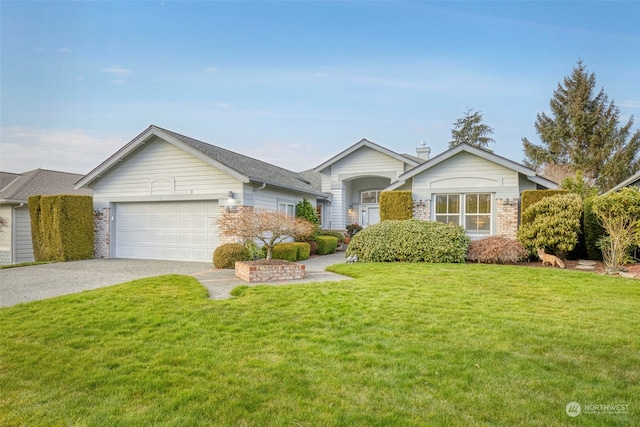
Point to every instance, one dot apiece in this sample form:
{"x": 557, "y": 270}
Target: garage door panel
{"x": 167, "y": 230}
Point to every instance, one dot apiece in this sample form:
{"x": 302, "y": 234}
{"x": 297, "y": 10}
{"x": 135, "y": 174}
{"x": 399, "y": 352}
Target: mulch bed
{"x": 599, "y": 267}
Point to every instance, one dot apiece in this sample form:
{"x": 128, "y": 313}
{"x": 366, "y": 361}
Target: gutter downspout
{"x": 264, "y": 184}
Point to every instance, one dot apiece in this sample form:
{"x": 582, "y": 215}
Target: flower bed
{"x": 268, "y": 270}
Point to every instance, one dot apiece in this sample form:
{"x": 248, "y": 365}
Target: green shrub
{"x": 396, "y": 205}
{"x": 286, "y": 251}
{"x": 496, "y": 250}
{"x": 619, "y": 214}
{"x": 530, "y": 197}
{"x": 337, "y": 234}
{"x": 255, "y": 251}
{"x": 410, "y": 241}
{"x": 306, "y": 210}
{"x": 553, "y": 223}
{"x": 326, "y": 244}
{"x": 226, "y": 255}
{"x": 593, "y": 231}
{"x": 61, "y": 227}
{"x": 303, "y": 250}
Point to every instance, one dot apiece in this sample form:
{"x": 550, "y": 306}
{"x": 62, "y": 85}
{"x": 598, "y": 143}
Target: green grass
{"x": 402, "y": 345}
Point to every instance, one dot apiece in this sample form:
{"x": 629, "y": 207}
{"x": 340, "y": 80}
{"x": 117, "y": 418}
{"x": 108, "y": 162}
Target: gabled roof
{"x": 411, "y": 160}
{"x": 634, "y": 179}
{"x": 487, "y": 155}
{"x": 17, "y": 188}
{"x": 243, "y": 168}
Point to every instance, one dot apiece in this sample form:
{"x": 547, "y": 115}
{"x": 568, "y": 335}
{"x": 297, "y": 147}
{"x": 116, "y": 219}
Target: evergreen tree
{"x": 471, "y": 130}
{"x": 583, "y": 133}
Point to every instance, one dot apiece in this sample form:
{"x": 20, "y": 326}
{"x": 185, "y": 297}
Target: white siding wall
{"x": 160, "y": 171}
{"x": 364, "y": 162}
{"x": 268, "y": 197}
{"x": 465, "y": 172}
{"x": 24, "y": 245}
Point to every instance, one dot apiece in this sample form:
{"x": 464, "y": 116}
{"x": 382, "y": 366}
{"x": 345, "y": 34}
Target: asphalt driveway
{"x": 37, "y": 282}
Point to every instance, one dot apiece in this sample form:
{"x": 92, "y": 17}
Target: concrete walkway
{"x": 219, "y": 283}
{"x": 37, "y": 282}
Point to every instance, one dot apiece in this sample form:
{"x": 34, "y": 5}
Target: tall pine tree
{"x": 583, "y": 133}
{"x": 471, "y": 130}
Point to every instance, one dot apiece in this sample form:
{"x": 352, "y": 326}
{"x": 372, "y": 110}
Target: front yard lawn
{"x": 402, "y": 345}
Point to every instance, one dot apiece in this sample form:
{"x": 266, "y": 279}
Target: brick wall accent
{"x": 422, "y": 210}
{"x": 507, "y": 218}
{"x": 235, "y": 239}
{"x": 255, "y": 272}
{"x": 101, "y": 233}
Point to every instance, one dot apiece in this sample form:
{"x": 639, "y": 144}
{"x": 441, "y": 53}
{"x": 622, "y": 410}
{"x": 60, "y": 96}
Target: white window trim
{"x": 289, "y": 207}
{"x": 462, "y": 215}
{"x": 370, "y": 191}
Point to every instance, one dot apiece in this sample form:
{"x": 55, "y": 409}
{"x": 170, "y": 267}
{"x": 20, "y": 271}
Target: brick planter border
{"x": 255, "y": 271}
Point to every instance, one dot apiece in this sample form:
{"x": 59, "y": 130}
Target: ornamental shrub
{"x": 410, "y": 241}
{"x": 303, "y": 250}
{"x": 552, "y": 223}
{"x": 496, "y": 250}
{"x": 337, "y": 234}
{"x": 306, "y": 210}
{"x": 396, "y": 205}
{"x": 619, "y": 215}
{"x": 286, "y": 251}
{"x": 530, "y": 197}
{"x": 326, "y": 244}
{"x": 226, "y": 255}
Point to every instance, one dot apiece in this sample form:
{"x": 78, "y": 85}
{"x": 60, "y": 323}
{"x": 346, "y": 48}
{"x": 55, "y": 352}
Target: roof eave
{"x": 364, "y": 143}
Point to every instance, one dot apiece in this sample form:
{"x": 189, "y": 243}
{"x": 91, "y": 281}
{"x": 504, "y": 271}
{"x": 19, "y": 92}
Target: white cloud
{"x": 77, "y": 151}
{"x": 629, "y": 104}
{"x": 118, "y": 71}
{"x": 64, "y": 51}
{"x": 210, "y": 69}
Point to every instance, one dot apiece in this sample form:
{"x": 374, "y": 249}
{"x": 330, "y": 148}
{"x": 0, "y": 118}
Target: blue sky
{"x": 294, "y": 83}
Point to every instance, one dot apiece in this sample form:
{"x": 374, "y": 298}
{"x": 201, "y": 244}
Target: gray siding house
{"x": 158, "y": 197}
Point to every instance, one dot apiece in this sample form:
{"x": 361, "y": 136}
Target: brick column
{"x": 422, "y": 210}
{"x": 101, "y": 233}
{"x": 507, "y": 218}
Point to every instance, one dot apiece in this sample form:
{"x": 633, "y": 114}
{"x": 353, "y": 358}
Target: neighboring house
{"x": 159, "y": 196}
{"x": 633, "y": 180}
{"x": 15, "y": 190}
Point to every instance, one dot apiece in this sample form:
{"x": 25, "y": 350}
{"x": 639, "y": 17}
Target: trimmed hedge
{"x": 530, "y": 197}
{"x": 226, "y": 255}
{"x": 410, "y": 241}
{"x": 396, "y": 205}
{"x": 337, "y": 234}
{"x": 291, "y": 251}
{"x": 326, "y": 244}
{"x": 61, "y": 227}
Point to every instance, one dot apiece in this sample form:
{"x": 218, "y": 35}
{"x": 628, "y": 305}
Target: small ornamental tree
{"x": 269, "y": 227}
{"x": 307, "y": 211}
{"x": 619, "y": 215}
{"x": 552, "y": 223}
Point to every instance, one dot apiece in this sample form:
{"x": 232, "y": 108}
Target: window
{"x": 319, "y": 212}
{"x": 476, "y": 208}
{"x": 477, "y": 213}
{"x": 288, "y": 208}
{"x": 369, "y": 197}
{"x": 448, "y": 208}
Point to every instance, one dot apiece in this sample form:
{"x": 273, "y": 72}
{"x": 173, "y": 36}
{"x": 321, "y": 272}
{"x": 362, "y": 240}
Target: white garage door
{"x": 181, "y": 231}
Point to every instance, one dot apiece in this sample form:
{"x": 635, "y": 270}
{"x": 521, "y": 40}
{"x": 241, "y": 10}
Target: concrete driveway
{"x": 37, "y": 282}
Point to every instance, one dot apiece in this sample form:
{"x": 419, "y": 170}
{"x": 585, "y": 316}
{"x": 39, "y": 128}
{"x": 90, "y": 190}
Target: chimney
{"x": 423, "y": 151}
